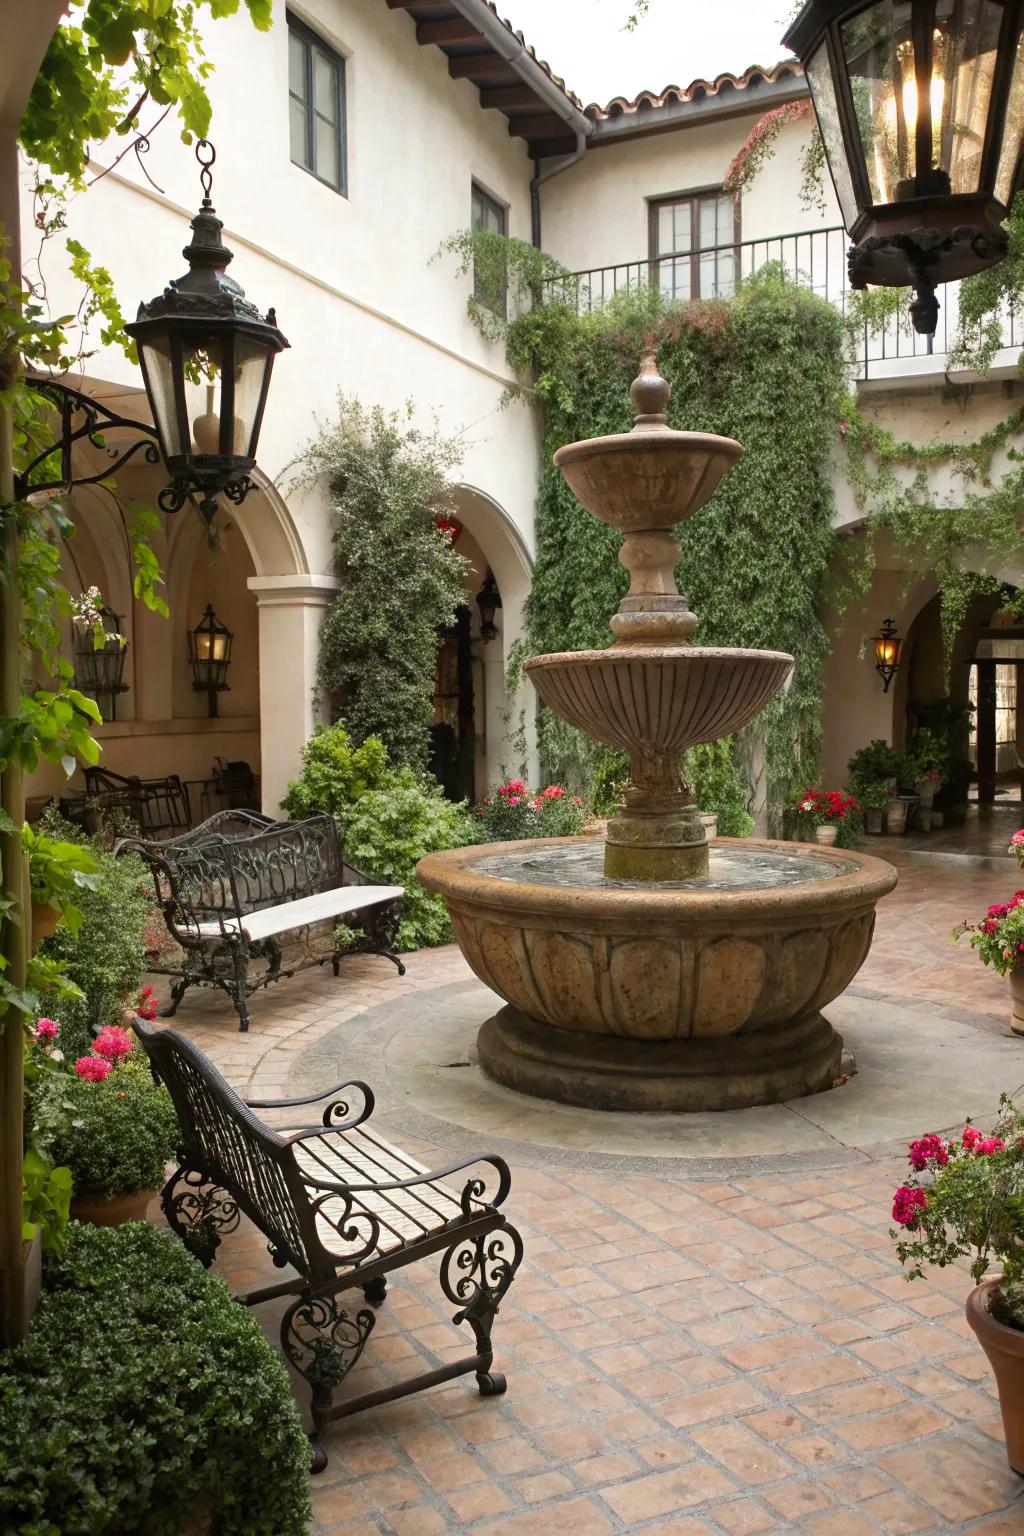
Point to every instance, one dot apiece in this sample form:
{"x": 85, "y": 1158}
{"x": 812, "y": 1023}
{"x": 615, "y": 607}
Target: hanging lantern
{"x": 921, "y": 109}
{"x": 209, "y": 650}
{"x": 206, "y": 355}
{"x": 887, "y": 653}
{"x": 99, "y": 659}
{"x": 488, "y": 600}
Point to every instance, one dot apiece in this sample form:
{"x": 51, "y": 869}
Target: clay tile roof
{"x": 545, "y": 66}
{"x": 697, "y": 90}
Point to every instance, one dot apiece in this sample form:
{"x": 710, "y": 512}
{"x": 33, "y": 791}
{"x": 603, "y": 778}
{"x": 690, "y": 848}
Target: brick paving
{"x": 684, "y": 1355}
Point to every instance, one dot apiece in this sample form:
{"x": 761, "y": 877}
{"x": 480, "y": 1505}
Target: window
{"x": 490, "y": 288}
{"x": 704, "y": 222}
{"x": 316, "y": 105}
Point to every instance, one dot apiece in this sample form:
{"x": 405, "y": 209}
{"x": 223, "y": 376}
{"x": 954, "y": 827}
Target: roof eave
{"x": 751, "y": 101}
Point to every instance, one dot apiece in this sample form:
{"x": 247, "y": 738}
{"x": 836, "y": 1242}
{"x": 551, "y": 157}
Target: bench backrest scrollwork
{"x": 225, "y": 1143}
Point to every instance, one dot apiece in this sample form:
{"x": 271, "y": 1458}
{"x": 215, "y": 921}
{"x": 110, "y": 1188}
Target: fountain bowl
{"x": 664, "y": 699}
{"x": 697, "y": 996}
{"x": 638, "y": 481}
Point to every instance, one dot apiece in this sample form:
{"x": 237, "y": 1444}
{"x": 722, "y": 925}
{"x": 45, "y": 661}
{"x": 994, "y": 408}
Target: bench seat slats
{"x": 357, "y": 1157}
{"x": 270, "y": 921}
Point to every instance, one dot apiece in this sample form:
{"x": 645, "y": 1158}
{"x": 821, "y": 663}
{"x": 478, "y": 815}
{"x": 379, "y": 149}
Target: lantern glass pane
{"x": 155, "y": 356}
{"x": 252, "y": 359}
{"x": 878, "y": 48}
{"x": 1013, "y": 133}
{"x": 204, "y": 369}
{"x": 966, "y": 46}
{"x": 826, "y": 107}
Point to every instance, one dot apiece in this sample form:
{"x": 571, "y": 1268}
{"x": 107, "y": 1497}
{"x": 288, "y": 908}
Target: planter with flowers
{"x": 106, "y": 1120}
{"x": 833, "y": 815}
{"x": 999, "y": 940}
{"x": 930, "y": 757}
{"x": 514, "y": 811}
{"x": 963, "y": 1201}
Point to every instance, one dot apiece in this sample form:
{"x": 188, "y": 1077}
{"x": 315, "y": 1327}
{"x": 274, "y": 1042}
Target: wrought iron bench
{"x": 233, "y": 888}
{"x": 158, "y": 805}
{"x": 344, "y": 1208}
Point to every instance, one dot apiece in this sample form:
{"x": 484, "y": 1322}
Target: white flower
{"x": 807, "y": 805}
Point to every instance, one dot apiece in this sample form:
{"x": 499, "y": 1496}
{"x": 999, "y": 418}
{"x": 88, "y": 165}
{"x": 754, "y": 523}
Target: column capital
{"x": 296, "y": 591}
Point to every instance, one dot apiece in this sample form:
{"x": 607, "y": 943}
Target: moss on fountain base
{"x": 803, "y": 1056}
{"x": 635, "y": 861}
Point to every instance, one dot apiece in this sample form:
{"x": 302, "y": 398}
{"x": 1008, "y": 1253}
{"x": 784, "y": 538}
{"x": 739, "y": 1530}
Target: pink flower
{"x": 1017, "y": 840}
{"x": 970, "y": 1138}
{"x": 928, "y": 1149}
{"x": 989, "y": 1144}
{"x": 554, "y": 792}
{"x": 94, "y": 1069}
{"x": 46, "y": 1029}
{"x": 515, "y": 799}
{"x": 576, "y": 800}
{"x": 112, "y": 1042}
{"x": 907, "y": 1204}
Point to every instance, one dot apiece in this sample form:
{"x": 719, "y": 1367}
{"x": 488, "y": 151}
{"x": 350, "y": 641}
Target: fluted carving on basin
{"x": 662, "y": 485}
{"x": 666, "y": 701}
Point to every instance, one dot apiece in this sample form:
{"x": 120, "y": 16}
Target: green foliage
{"x": 389, "y": 484}
{"x": 878, "y": 762}
{"x": 335, "y": 774}
{"x": 142, "y": 1394}
{"x": 980, "y": 332}
{"x": 45, "y": 1199}
{"x": 998, "y": 938}
{"x": 388, "y": 831}
{"x": 58, "y": 871}
{"x": 389, "y": 818}
{"x": 929, "y": 752}
{"x": 765, "y": 368}
{"x": 508, "y": 274}
{"x": 965, "y": 1200}
{"x": 714, "y": 774}
{"x": 105, "y": 958}
{"x": 115, "y": 1136}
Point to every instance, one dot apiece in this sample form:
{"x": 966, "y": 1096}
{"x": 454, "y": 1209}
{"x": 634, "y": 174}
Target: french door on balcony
{"x": 698, "y": 233}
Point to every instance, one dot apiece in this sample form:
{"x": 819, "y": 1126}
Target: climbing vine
{"x": 392, "y": 504}
{"x": 766, "y": 368}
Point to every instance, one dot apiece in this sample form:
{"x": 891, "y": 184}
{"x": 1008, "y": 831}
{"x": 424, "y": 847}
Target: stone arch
{"x": 505, "y": 552}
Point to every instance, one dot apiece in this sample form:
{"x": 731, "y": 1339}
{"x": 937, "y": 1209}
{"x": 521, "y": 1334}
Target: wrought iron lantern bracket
{"x": 82, "y": 419}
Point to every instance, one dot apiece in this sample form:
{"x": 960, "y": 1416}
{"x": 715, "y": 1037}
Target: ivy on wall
{"x": 766, "y": 368}
{"x": 391, "y": 503}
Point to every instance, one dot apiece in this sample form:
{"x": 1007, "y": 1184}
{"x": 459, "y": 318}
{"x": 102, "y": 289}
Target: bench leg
{"x": 475, "y": 1274}
{"x": 240, "y": 960}
{"x": 177, "y": 993}
{"x": 199, "y": 1212}
{"x": 376, "y": 1291}
{"x": 323, "y": 1341}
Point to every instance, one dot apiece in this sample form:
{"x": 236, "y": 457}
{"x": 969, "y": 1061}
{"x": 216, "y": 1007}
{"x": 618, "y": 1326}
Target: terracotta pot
{"x": 101, "y": 1212}
{"x": 44, "y": 922}
{"x": 709, "y": 821}
{"x": 896, "y": 817}
{"x": 826, "y": 834}
{"x": 1017, "y": 1000}
{"x": 1004, "y": 1347}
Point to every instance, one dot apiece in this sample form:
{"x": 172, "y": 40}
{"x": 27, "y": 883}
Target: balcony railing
{"x": 815, "y": 258}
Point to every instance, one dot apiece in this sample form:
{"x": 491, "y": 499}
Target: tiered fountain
{"x": 654, "y": 972}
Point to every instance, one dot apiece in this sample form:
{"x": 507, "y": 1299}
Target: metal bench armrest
{"x": 473, "y": 1189}
{"x": 336, "y": 1108}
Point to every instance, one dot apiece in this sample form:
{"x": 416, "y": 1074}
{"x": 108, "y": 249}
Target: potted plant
{"x": 999, "y": 941}
{"x": 58, "y": 872}
{"x": 827, "y": 811}
{"x": 963, "y": 1200}
{"x": 930, "y": 757}
{"x": 106, "y": 1120}
{"x": 878, "y": 762}
{"x": 514, "y": 811}
{"x": 874, "y": 798}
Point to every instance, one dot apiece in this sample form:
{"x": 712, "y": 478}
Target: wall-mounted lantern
{"x": 488, "y": 600}
{"x": 209, "y": 650}
{"x": 100, "y": 650}
{"x": 921, "y": 109}
{"x": 887, "y": 653}
{"x": 206, "y": 355}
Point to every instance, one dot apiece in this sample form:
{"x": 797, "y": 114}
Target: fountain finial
{"x": 649, "y": 393}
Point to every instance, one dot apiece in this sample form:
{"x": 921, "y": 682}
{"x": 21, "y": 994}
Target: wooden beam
{"x": 471, "y": 66}
{"x": 455, "y": 30}
{"x": 543, "y": 125}
{"x": 510, "y": 96}
{"x": 419, "y": 5}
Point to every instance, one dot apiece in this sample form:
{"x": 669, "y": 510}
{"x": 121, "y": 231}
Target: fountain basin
{"x": 704, "y": 994}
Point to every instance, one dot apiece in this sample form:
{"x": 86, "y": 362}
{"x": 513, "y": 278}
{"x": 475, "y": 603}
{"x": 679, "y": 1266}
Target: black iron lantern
{"x": 206, "y": 355}
{"x": 887, "y": 653}
{"x": 488, "y": 600}
{"x": 921, "y": 108}
{"x": 100, "y": 651}
{"x": 209, "y": 650}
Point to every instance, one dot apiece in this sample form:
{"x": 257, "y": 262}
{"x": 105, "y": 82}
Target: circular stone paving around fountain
{"x": 920, "y": 1068}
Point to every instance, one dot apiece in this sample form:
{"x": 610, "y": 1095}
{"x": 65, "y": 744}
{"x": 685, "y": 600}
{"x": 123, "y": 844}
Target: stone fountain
{"x": 656, "y": 972}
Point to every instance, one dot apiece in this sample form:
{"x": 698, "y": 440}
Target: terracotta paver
{"x": 686, "y": 1354}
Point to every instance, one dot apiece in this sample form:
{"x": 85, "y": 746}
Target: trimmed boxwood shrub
{"x": 145, "y": 1394}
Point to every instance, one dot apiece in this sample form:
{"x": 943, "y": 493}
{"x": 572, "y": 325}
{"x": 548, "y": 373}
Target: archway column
{"x": 291, "y": 610}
